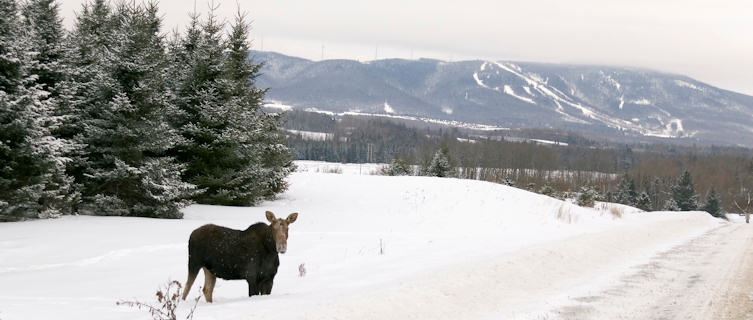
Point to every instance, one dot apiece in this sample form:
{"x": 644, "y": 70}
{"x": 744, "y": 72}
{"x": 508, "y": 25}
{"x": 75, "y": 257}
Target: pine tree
{"x": 234, "y": 152}
{"x": 683, "y": 193}
{"x": 32, "y": 180}
{"x": 440, "y": 165}
{"x": 713, "y": 204}
{"x": 671, "y": 205}
{"x": 587, "y": 197}
{"x": 644, "y": 201}
{"x": 397, "y": 167}
{"x": 626, "y": 191}
{"x": 127, "y": 135}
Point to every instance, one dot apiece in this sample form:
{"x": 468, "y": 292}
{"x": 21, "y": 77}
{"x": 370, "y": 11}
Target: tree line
{"x": 114, "y": 117}
{"x": 564, "y": 170}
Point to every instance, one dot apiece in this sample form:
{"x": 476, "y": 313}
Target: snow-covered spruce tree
{"x": 32, "y": 180}
{"x": 626, "y": 191}
{"x": 126, "y": 134}
{"x": 671, "y": 205}
{"x": 643, "y": 202}
{"x": 234, "y": 152}
{"x": 440, "y": 165}
{"x": 683, "y": 193}
{"x": 397, "y": 167}
{"x": 587, "y": 197}
{"x": 713, "y": 204}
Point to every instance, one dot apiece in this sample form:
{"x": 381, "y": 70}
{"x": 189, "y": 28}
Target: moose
{"x": 230, "y": 254}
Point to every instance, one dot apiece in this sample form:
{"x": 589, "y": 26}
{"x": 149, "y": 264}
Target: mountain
{"x": 593, "y": 100}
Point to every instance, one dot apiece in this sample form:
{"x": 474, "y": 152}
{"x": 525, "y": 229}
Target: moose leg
{"x": 209, "y": 280}
{"x": 265, "y": 286}
{"x": 193, "y": 271}
{"x": 253, "y": 287}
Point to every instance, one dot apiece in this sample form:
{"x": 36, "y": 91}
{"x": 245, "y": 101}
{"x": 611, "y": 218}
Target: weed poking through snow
{"x": 168, "y": 299}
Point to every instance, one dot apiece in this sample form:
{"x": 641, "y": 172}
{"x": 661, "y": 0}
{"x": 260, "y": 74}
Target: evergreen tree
{"x": 683, "y": 193}
{"x": 671, "y": 205}
{"x": 644, "y": 201}
{"x": 234, "y": 152}
{"x": 587, "y": 197}
{"x": 713, "y": 204}
{"x": 32, "y": 180}
{"x": 127, "y": 135}
{"x": 45, "y": 31}
{"x": 440, "y": 165}
{"x": 397, "y": 167}
{"x": 626, "y": 191}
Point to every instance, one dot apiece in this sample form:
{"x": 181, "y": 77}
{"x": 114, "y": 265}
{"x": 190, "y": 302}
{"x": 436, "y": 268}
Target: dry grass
{"x": 616, "y": 212}
{"x": 564, "y": 214}
{"x": 336, "y": 170}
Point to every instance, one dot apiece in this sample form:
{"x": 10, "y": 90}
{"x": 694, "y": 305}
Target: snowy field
{"x": 374, "y": 247}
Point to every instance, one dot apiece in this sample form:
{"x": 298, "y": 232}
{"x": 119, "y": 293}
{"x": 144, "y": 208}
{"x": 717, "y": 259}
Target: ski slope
{"x": 374, "y": 247}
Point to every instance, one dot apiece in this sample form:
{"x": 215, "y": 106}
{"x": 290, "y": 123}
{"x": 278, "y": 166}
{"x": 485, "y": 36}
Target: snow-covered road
{"x": 708, "y": 277}
{"x": 398, "y": 248}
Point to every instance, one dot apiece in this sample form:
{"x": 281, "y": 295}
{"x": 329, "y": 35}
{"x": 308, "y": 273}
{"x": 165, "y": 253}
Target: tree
{"x": 397, "y": 167}
{"x": 683, "y": 192}
{"x": 626, "y": 191}
{"x": 127, "y": 136}
{"x": 713, "y": 204}
{"x": 440, "y": 165}
{"x": 32, "y": 179}
{"x": 233, "y": 151}
{"x": 587, "y": 197}
{"x": 644, "y": 201}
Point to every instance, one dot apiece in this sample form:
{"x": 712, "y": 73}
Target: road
{"x": 708, "y": 277}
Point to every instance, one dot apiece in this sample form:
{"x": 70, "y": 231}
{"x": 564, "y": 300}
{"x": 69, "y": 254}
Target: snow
{"x": 387, "y": 108}
{"x": 687, "y": 85}
{"x": 451, "y": 249}
{"x": 312, "y": 135}
{"x": 277, "y": 105}
{"x": 453, "y": 123}
{"x": 643, "y": 102}
{"x": 509, "y": 91}
{"x": 550, "y": 142}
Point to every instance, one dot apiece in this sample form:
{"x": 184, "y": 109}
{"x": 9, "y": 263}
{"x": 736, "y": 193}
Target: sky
{"x": 709, "y": 40}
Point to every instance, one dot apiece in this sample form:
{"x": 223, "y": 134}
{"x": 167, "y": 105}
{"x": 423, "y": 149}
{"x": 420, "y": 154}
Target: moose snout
{"x": 281, "y": 248}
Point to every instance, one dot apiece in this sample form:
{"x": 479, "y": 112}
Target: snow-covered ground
{"x": 374, "y": 247}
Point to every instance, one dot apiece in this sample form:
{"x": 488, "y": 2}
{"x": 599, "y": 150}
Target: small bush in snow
{"x": 168, "y": 299}
{"x": 547, "y": 190}
{"x": 587, "y": 197}
{"x": 440, "y": 165}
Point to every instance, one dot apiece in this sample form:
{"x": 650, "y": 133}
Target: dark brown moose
{"x": 250, "y": 254}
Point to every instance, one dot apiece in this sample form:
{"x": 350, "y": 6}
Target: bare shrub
{"x": 168, "y": 299}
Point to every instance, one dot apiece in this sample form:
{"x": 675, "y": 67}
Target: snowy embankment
{"x": 374, "y": 247}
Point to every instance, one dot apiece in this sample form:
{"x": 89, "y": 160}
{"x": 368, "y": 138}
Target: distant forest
{"x": 526, "y": 159}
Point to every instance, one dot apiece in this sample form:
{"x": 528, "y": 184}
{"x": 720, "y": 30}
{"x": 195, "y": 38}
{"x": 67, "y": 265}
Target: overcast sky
{"x": 709, "y": 40}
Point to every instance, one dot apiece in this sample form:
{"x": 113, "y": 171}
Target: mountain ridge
{"x": 594, "y": 100}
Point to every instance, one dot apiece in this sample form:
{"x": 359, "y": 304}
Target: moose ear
{"x": 291, "y": 218}
{"x": 271, "y": 216}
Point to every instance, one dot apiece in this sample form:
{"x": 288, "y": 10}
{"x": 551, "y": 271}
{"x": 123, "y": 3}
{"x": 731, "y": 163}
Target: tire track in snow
{"x": 698, "y": 279}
